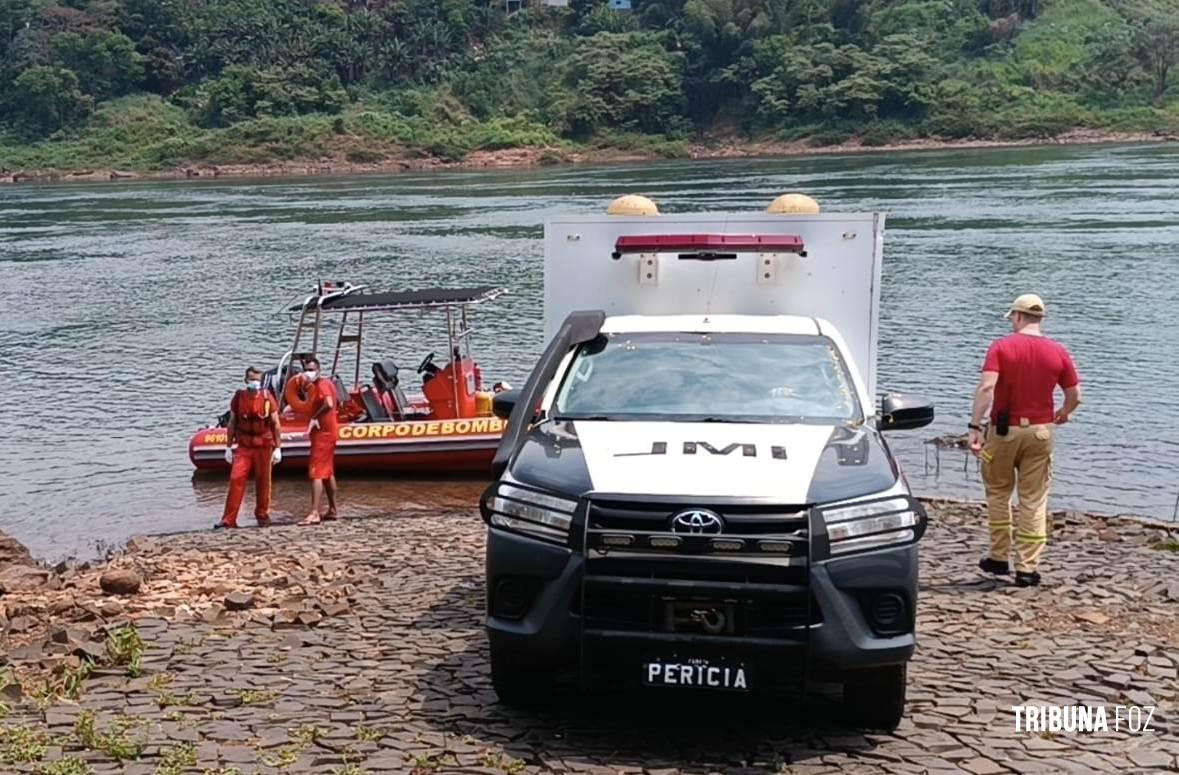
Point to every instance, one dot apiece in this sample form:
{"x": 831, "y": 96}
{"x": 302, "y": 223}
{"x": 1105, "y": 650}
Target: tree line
{"x": 877, "y": 69}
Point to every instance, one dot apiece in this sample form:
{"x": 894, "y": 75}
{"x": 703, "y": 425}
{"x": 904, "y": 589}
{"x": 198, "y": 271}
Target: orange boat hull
{"x": 418, "y": 446}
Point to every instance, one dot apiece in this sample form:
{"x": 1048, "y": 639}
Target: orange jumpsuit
{"x": 255, "y": 446}
{"x": 323, "y": 439}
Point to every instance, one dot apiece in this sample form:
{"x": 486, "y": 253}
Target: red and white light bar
{"x": 709, "y": 243}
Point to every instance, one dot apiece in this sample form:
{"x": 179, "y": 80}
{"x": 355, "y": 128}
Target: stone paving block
{"x": 398, "y": 643}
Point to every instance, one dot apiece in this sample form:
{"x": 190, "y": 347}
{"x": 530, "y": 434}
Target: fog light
{"x": 888, "y": 613}
{"x": 513, "y": 597}
{"x": 664, "y": 542}
{"x": 776, "y": 546}
{"x": 618, "y": 540}
{"x": 728, "y": 544}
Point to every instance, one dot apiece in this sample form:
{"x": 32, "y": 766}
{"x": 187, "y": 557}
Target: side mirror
{"x": 503, "y": 403}
{"x": 899, "y": 412}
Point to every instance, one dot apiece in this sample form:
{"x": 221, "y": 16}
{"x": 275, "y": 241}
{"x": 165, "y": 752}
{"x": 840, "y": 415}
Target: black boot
{"x": 1026, "y": 579}
{"x": 987, "y": 565}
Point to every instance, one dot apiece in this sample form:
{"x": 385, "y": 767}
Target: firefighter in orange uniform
{"x": 254, "y": 425}
{"x": 321, "y": 430}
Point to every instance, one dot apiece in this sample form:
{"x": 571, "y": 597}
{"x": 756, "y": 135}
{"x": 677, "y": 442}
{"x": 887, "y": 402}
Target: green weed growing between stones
{"x": 1166, "y": 545}
{"x": 22, "y": 744}
{"x": 349, "y": 769}
{"x": 5, "y": 682}
{"x": 159, "y": 683}
{"x": 177, "y": 759}
{"x": 114, "y": 742}
{"x": 369, "y": 734}
{"x": 306, "y": 734}
{"x": 255, "y": 697}
{"x": 301, "y": 738}
{"x": 64, "y": 681}
{"x": 165, "y": 697}
{"x": 125, "y": 648}
{"x": 284, "y": 757}
{"x": 185, "y": 647}
{"x": 70, "y": 765}
{"x": 427, "y": 762}
{"x": 497, "y": 761}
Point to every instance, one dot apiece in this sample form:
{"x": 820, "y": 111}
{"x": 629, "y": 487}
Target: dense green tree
{"x": 162, "y": 31}
{"x": 1111, "y": 66}
{"x": 243, "y": 93}
{"x": 106, "y": 63}
{"x": 621, "y": 81}
{"x": 826, "y": 82}
{"x": 1157, "y": 42}
{"x": 46, "y": 99}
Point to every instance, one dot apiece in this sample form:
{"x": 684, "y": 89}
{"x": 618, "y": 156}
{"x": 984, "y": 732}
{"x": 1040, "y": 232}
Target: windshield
{"x": 708, "y": 377}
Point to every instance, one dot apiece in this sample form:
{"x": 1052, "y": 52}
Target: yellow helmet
{"x": 794, "y": 203}
{"x": 632, "y": 204}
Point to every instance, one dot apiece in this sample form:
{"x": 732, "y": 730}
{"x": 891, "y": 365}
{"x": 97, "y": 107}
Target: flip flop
{"x": 311, "y": 520}
{"x": 329, "y": 517}
{"x": 224, "y": 526}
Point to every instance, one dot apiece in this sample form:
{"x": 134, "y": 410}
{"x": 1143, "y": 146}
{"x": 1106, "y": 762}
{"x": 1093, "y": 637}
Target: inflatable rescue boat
{"x": 445, "y": 426}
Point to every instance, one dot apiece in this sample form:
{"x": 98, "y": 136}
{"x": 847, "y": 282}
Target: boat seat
{"x": 387, "y": 381}
{"x": 342, "y": 395}
{"x": 373, "y": 406}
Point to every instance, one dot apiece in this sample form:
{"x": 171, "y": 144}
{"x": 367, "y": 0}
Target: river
{"x": 127, "y": 310}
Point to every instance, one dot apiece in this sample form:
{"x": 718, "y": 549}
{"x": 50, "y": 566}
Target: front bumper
{"x": 818, "y": 625}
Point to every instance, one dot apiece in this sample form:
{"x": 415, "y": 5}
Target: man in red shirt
{"x": 254, "y": 425}
{"x": 1019, "y": 378}
{"x": 321, "y": 430}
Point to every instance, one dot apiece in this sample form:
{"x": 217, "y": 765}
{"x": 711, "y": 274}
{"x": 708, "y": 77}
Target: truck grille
{"x": 747, "y": 585}
{"x": 615, "y": 526}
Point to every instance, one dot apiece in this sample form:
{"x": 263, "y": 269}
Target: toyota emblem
{"x": 697, "y": 521}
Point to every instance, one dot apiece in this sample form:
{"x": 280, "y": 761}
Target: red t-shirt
{"x": 1030, "y": 368}
{"x": 324, "y": 391}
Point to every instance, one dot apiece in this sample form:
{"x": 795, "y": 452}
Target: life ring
{"x": 293, "y": 396}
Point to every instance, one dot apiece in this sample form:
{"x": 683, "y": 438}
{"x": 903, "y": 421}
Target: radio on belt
{"x": 693, "y": 493}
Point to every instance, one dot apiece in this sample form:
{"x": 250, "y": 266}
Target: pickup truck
{"x": 694, "y": 492}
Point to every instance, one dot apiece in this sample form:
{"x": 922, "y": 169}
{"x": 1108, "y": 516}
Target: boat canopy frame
{"x": 348, "y": 300}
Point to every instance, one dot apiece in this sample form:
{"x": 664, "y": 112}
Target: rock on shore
{"x": 360, "y": 644}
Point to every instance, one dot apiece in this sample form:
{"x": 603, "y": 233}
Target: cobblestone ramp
{"x": 360, "y": 649}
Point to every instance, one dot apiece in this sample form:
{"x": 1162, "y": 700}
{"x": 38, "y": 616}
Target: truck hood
{"x": 795, "y": 464}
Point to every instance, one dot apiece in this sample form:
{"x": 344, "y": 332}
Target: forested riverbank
{"x": 141, "y": 85}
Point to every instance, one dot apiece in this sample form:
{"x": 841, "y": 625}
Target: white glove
{"x": 313, "y": 424}
{"x": 276, "y": 458}
{"x": 229, "y": 455}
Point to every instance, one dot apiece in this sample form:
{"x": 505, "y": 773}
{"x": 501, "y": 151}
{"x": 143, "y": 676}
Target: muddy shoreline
{"x": 533, "y": 157}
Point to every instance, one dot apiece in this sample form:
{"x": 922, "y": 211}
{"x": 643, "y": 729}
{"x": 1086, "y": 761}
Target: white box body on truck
{"x": 694, "y": 492}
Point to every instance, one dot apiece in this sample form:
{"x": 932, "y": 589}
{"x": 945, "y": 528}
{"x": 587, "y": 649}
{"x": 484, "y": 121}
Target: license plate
{"x": 697, "y": 674}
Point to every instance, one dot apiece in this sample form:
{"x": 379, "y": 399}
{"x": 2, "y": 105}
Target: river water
{"x": 128, "y": 310}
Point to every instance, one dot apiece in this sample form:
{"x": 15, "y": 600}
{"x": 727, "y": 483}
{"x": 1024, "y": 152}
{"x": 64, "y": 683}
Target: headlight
{"x": 531, "y": 512}
{"x": 874, "y": 524}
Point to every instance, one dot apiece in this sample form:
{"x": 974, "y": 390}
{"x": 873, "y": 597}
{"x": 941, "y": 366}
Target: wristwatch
{"x": 974, "y": 427}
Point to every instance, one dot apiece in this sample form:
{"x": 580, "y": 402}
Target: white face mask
{"x": 255, "y": 385}
{"x": 311, "y": 375}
